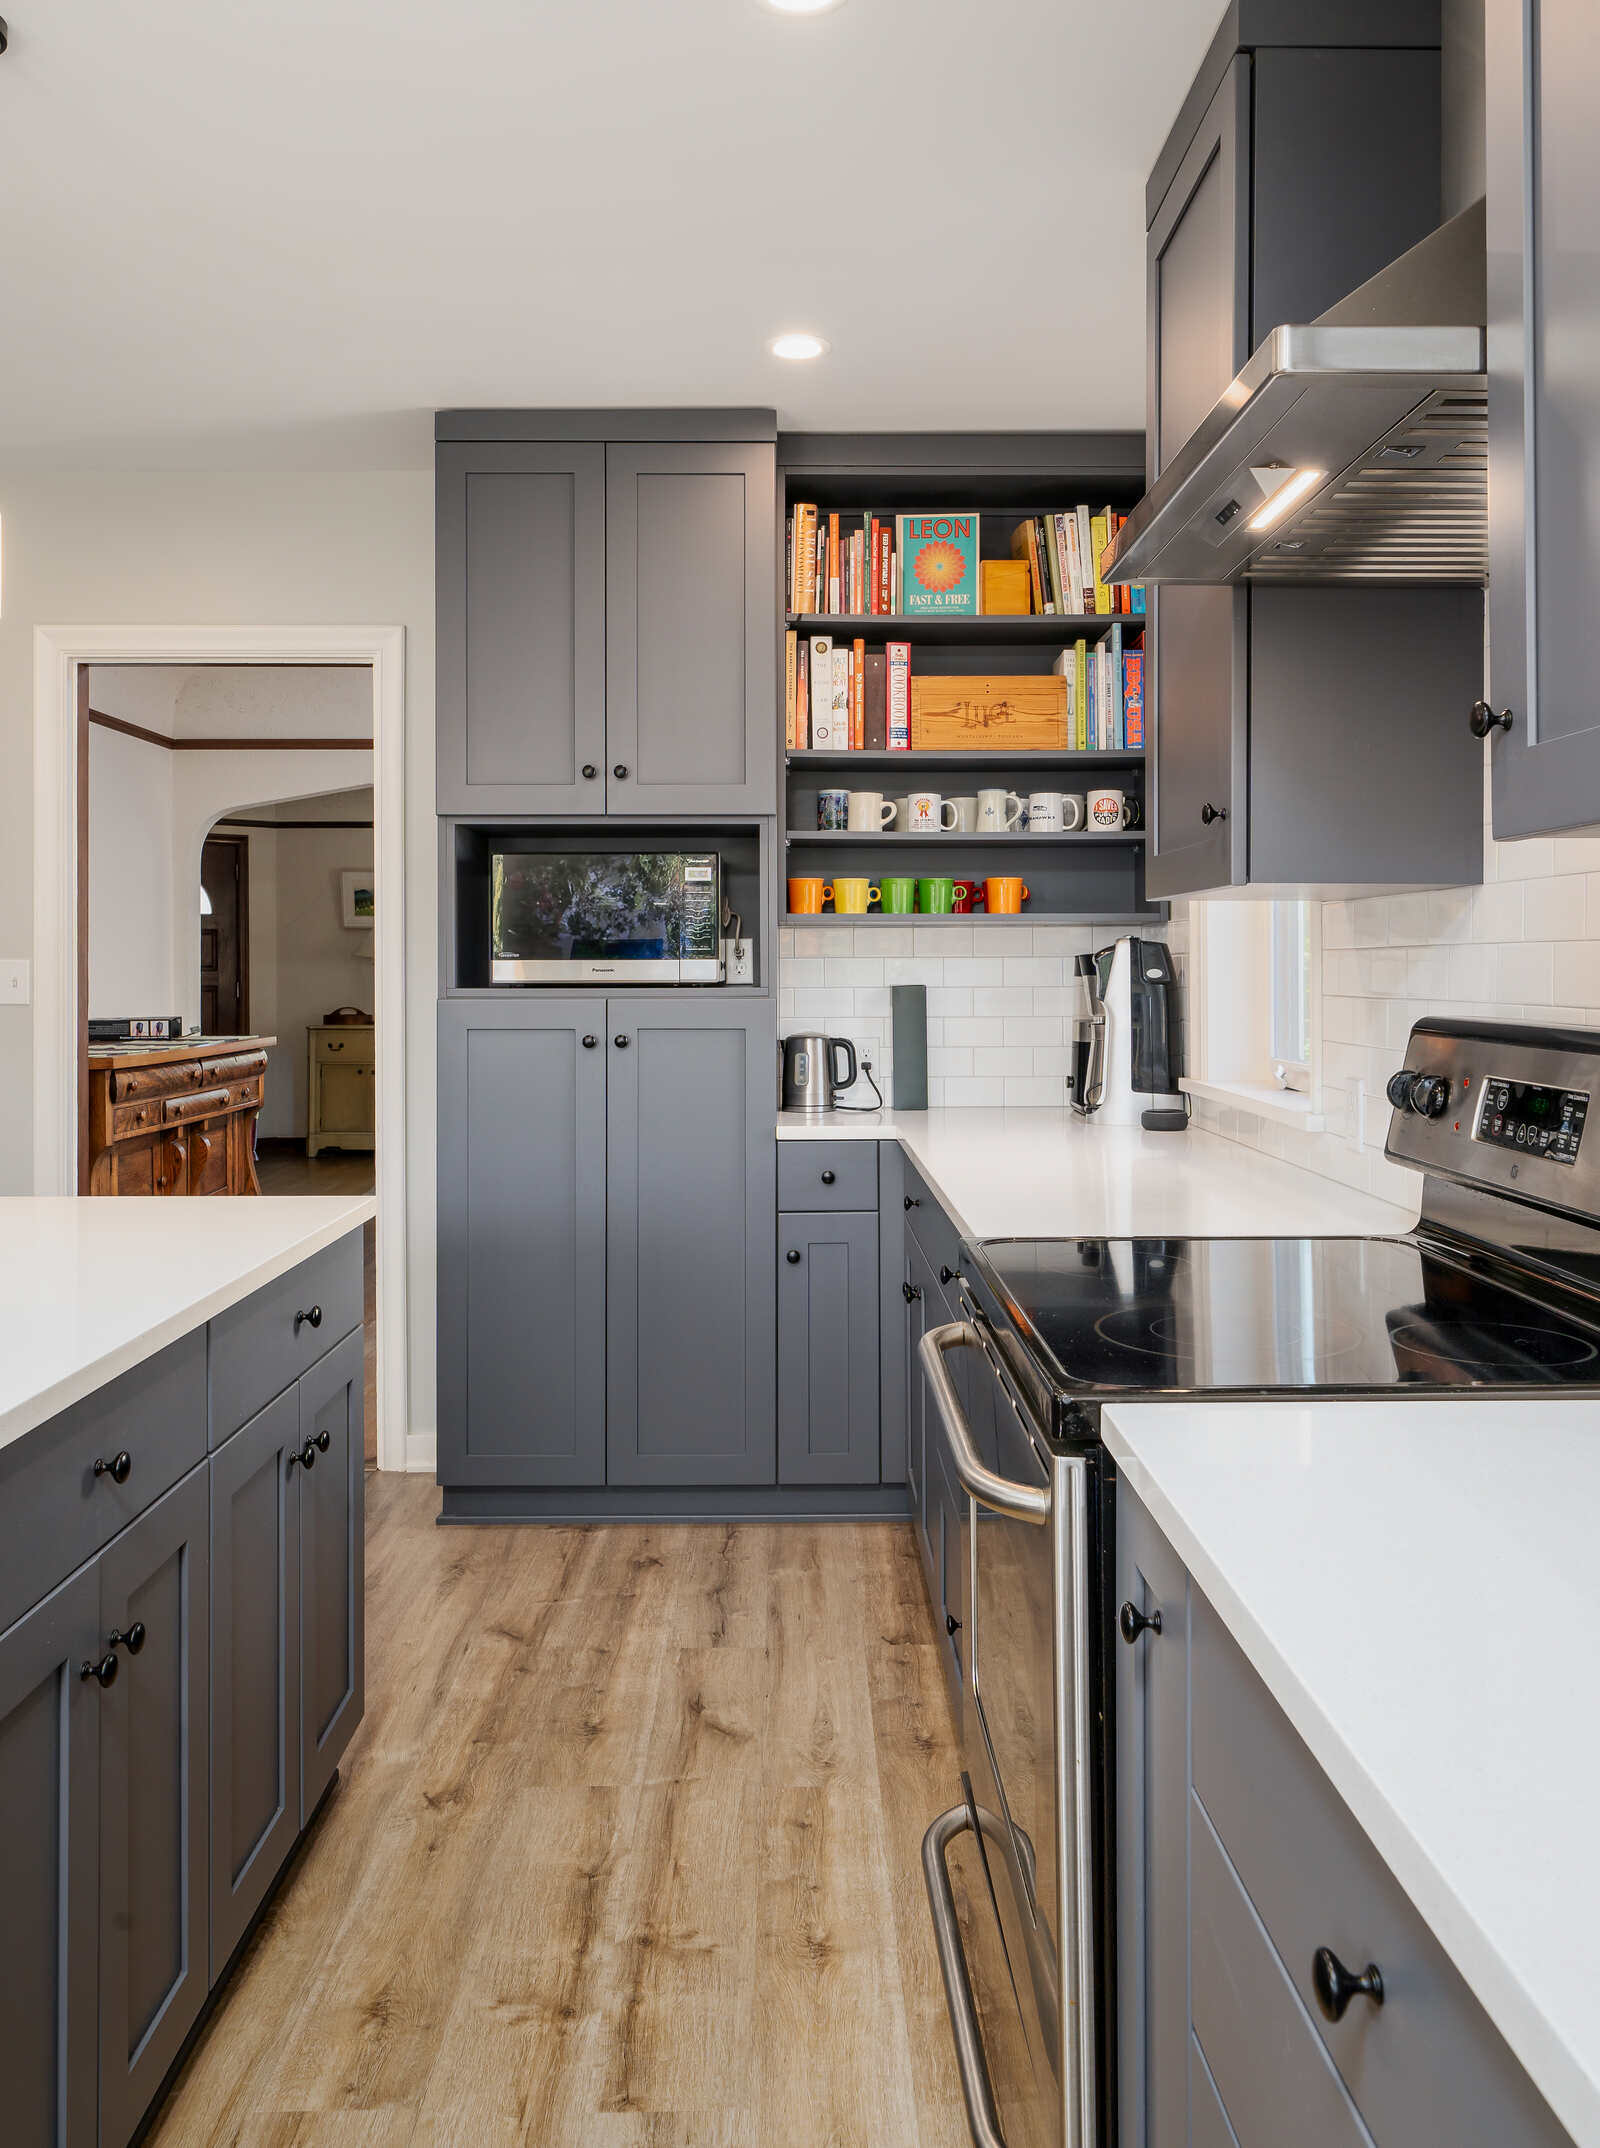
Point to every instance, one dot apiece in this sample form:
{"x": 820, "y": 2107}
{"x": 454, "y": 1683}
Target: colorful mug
{"x": 806, "y": 897}
{"x": 833, "y": 810}
{"x": 969, "y": 893}
{"x": 1004, "y": 897}
{"x": 897, "y": 895}
{"x": 1106, "y": 809}
{"x": 853, "y": 897}
{"x": 936, "y": 897}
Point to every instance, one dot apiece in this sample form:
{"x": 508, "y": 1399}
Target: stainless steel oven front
{"x": 1026, "y": 1743}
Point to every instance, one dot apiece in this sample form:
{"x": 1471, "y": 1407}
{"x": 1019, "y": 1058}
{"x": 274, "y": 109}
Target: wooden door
{"x": 828, "y": 1400}
{"x": 1543, "y": 75}
{"x": 690, "y": 1221}
{"x": 522, "y": 1241}
{"x": 520, "y": 552}
{"x": 691, "y": 642}
{"x": 225, "y": 936}
{"x": 255, "y": 1657}
{"x": 332, "y": 1549}
{"x": 155, "y": 1830}
{"x": 49, "y": 1793}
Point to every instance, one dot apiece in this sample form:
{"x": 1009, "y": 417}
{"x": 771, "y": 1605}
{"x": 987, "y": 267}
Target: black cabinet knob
{"x": 620, "y": 1042}
{"x": 946, "y": 1275}
{"x": 590, "y": 771}
{"x": 308, "y": 1455}
{"x": 1133, "y": 1622}
{"x": 1335, "y": 1985}
{"x": 792, "y": 1257}
{"x": 589, "y": 1043}
{"x": 324, "y": 1441}
{"x": 117, "y": 1469}
{"x": 1209, "y": 813}
{"x": 311, "y": 1319}
{"x": 620, "y": 770}
{"x": 952, "y": 1625}
{"x": 827, "y": 1178}
{"x": 910, "y": 1293}
{"x": 912, "y": 1201}
{"x": 1483, "y": 720}
{"x": 132, "y": 1640}
{"x": 104, "y": 1672}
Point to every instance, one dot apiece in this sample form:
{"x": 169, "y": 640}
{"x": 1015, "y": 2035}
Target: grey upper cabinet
{"x": 49, "y": 1853}
{"x": 520, "y": 708}
{"x": 332, "y": 1600}
{"x": 1543, "y": 88}
{"x": 154, "y": 1799}
{"x": 828, "y": 1369}
{"x": 691, "y": 1214}
{"x": 522, "y": 1254}
{"x": 691, "y": 642}
{"x": 255, "y": 1654}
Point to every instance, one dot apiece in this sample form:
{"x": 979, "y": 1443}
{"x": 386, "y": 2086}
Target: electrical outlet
{"x": 740, "y": 958}
{"x": 15, "y": 980}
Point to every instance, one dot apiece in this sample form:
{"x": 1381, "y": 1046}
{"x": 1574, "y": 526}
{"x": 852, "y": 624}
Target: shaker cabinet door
{"x": 1543, "y": 76}
{"x": 690, "y": 1219}
{"x": 332, "y": 1625}
{"x": 49, "y": 1792}
{"x": 155, "y": 1824}
{"x": 522, "y": 1241}
{"x": 691, "y": 643}
{"x": 828, "y": 1370}
{"x": 521, "y": 625}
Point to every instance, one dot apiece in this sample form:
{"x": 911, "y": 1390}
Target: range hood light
{"x": 1292, "y": 489}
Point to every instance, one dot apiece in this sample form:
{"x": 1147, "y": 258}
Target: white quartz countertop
{"x": 1453, "y": 1698}
{"x": 1042, "y": 1173}
{"x": 89, "y": 1288}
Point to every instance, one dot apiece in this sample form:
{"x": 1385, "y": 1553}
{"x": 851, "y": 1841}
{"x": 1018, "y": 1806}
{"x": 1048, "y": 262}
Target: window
{"x": 1253, "y": 1006}
{"x": 1289, "y": 993}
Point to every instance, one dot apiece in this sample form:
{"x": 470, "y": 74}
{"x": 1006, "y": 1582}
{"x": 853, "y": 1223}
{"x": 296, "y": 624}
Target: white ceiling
{"x": 288, "y": 230}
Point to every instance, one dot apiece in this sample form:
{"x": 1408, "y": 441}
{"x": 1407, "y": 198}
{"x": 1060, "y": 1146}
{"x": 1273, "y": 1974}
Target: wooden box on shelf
{"x": 1005, "y": 587}
{"x": 965, "y": 713}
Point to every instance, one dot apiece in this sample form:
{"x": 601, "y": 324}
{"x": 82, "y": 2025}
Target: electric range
{"x": 1496, "y": 1291}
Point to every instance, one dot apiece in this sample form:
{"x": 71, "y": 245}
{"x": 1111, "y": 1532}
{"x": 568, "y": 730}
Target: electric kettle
{"x": 811, "y": 1079}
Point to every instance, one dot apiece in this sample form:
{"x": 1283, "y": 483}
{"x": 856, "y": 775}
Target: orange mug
{"x": 806, "y": 897}
{"x": 1004, "y": 897}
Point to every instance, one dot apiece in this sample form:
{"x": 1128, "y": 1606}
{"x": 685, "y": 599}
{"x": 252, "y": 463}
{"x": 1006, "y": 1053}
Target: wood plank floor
{"x": 625, "y": 1855}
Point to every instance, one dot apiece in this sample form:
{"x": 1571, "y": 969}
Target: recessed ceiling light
{"x": 798, "y": 343}
{"x": 803, "y": 7}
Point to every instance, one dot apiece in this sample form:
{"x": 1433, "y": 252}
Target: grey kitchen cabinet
{"x": 691, "y": 643}
{"x": 255, "y": 1655}
{"x": 155, "y": 1823}
{"x": 894, "y": 1379}
{"x": 938, "y": 1504}
{"x": 332, "y": 1599}
{"x": 828, "y": 1355}
{"x": 691, "y": 1214}
{"x": 1543, "y": 88}
{"x": 520, "y": 705}
{"x": 49, "y": 1868}
{"x": 522, "y": 1231}
{"x": 1271, "y": 707}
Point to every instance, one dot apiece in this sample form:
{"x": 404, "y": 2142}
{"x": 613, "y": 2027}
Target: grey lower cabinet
{"x": 1543, "y": 88}
{"x": 332, "y": 1599}
{"x": 937, "y": 1504}
{"x": 1237, "y": 1862}
{"x": 828, "y": 1354}
{"x": 607, "y": 1207}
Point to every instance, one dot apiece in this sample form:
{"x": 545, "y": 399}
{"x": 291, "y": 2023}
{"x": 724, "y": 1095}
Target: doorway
{"x": 224, "y": 935}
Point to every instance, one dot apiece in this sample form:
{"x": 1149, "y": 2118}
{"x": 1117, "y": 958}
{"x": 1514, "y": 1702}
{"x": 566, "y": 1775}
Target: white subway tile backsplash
{"x": 1032, "y": 1029}
{"x": 1034, "y": 970}
{"x": 1555, "y": 909}
{"x": 979, "y": 971}
{"x": 969, "y": 1029}
{"x": 854, "y": 970}
{"x": 1003, "y": 999}
{"x": 988, "y": 1091}
{"x": 939, "y": 941}
{"x": 1497, "y": 911}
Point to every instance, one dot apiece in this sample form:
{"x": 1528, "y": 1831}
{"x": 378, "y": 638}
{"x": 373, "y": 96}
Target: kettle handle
{"x": 835, "y": 1046}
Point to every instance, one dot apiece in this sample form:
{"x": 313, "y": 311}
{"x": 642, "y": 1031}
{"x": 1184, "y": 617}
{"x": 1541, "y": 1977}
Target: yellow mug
{"x": 1004, "y": 897}
{"x": 806, "y": 897}
{"x": 851, "y": 898}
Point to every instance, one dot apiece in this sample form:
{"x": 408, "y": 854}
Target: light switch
{"x": 15, "y": 980}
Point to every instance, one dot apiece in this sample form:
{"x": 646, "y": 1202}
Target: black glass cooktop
{"x": 1201, "y": 1315}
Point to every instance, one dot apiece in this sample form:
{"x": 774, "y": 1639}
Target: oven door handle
{"x": 977, "y": 2090}
{"x": 1019, "y": 1502}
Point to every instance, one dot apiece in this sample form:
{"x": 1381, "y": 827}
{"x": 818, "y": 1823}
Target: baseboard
{"x": 421, "y": 1453}
{"x": 762, "y": 1502}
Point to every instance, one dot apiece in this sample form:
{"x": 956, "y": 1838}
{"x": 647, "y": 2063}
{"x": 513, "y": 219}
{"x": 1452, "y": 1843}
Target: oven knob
{"x": 1400, "y": 1090}
{"x": 1430, "y": 1094}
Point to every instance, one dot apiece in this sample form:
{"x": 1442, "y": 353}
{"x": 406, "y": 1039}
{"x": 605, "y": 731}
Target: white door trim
{"x": 57, "y": 652}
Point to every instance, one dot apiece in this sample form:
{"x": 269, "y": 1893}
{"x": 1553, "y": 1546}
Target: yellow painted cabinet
{"x": 341, "y": 1082}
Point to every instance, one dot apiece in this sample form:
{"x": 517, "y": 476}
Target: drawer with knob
{"x": 828, "y": 1175}
{"x": 69, "y": 1486}
{"x": 929, "y": 1224}
{"x": 262, "y": 1345}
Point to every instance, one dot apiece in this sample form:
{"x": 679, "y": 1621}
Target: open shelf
{"x": 969, "y": 759}
{"x": 988, "y": 838}
{"x": 982, "y": 627}
{"x": 920, "y": 918}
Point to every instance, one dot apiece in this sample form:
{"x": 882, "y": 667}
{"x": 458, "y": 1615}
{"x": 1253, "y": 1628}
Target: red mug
{"x": 968, "y": 896}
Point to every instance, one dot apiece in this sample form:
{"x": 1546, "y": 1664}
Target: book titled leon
{"x": 939, "y": 564}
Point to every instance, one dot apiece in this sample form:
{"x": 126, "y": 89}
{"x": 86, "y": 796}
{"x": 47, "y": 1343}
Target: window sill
{"x": 1287, "y": 1106}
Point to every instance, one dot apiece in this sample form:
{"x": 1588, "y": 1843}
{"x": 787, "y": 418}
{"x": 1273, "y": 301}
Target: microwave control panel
{"x": 702, "y": 907}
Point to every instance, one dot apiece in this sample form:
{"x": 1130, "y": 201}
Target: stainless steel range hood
{"x": 1352, "y": 449}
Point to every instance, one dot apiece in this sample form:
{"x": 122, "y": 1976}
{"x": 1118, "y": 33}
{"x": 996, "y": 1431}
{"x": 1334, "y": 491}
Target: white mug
{"x": 966, "y": 814}
{"x": 869, "y": 812}
{"x": 1105, "y": 810}
{"x": 1072, "y": 809}
{"x": 926, "y": 810}
{"x": 1044, "y": 813}
{"x": 998, "y": 811}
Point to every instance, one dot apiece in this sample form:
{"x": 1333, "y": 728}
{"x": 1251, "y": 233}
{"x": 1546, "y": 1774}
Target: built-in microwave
{"x": 648, "y": 917}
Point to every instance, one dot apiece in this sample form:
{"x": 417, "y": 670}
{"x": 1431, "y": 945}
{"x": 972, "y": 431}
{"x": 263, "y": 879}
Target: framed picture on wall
{"x": 357, "y": 905}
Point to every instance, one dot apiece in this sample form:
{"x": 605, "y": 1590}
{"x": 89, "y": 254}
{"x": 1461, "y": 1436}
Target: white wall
{"x": 131, "y": 864}
{"x": 253, "y": 547}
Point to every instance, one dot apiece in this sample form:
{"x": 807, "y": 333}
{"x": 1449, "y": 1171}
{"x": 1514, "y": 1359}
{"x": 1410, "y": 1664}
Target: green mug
{"x": 936, "y": 898}
{"x": 898, "y": 894}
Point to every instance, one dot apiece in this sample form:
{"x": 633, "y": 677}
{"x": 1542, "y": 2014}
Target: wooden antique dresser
{"x": 176, "y": 1118}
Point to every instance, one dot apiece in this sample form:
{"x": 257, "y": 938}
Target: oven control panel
{"x": 1532, "y": 1117}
